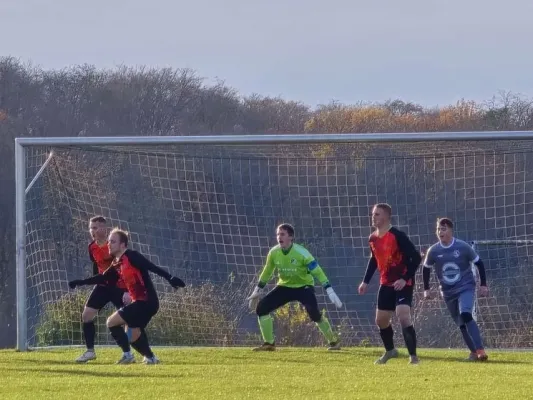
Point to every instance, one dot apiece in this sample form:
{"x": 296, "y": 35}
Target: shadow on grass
{"x": 41, "y": 361}
{"x": 108, "y": 374}
{"x": 445, "y": 358}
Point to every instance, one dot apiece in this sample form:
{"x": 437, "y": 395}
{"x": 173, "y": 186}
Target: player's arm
{"x": 426, "y": 271}
{"x": 95, "y": 265}
{"x": 371, "y": 268}
{"x": 318, "y": 273}
{"x": 476, "y": 260}
{"x": 482, "y": 272}
{"x": 110, "y": 277}
{"x": 267, "y": 272}
{"x": 140, "y": 262}
{"x": 411, "y": 256}
{"x": 264, "y": 277}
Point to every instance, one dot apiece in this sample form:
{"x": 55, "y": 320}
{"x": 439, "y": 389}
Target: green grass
{"x": 289, "y": 373}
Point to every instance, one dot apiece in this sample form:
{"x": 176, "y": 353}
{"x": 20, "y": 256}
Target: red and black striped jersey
{"x": 394, "y": 256}
{"x": 133, "y": 269}
{"x": 102, "y": 260}
{"x": 100, "y": 257}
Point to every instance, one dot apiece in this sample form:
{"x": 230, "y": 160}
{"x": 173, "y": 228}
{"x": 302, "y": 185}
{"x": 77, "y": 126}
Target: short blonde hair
{"x": 123, "y": 236}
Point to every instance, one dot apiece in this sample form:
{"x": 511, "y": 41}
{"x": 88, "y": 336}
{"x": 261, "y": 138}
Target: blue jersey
{"x": 453, "y": 266}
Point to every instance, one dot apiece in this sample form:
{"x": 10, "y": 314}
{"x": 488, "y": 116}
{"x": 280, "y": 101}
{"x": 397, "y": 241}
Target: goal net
{"x": 207, "y": 213}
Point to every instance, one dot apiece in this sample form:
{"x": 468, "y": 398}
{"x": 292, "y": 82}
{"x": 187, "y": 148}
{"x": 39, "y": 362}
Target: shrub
{"x": 192, "y": 316}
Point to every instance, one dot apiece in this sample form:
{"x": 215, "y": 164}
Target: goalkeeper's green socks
{"x": 326, "y": 330}
{"x": 266, "y": 323}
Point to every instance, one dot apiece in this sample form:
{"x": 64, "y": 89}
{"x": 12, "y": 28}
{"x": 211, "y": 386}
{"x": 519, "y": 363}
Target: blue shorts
{"x": 464, "y": 302}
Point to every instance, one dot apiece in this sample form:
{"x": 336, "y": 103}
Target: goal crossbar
{"x": 278, "y": 138}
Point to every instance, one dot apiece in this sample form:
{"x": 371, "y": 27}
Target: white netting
{"x": 208, "y": 214}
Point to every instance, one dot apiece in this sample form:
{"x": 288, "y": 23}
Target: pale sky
{"x": 430, "y": 52}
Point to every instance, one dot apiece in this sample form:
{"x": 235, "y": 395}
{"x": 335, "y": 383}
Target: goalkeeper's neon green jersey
{"x": 296, "y": 267}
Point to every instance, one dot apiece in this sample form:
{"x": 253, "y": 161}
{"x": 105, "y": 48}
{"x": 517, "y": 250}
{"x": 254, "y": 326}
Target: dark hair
{"x": 123, "y": 236}
{"x": 445, "y": 222}
{"x": 98, "y": 218}
{"x": 385, "y": 207}
{"x": 287, "y": 228}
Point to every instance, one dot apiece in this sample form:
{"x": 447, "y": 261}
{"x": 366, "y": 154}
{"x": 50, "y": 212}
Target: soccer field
{"x": 289, "y": 373}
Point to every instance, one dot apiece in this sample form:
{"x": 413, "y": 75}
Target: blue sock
{"x": 467, "y": 339}
{"x": 473, "y": 331}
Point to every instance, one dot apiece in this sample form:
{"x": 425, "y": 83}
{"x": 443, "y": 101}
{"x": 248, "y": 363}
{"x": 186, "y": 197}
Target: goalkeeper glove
{"x": 176, "y": 282}
{"x": 73, "y": 284}
{"x": 333, "y": 297}
{"x": 253, "y": 299}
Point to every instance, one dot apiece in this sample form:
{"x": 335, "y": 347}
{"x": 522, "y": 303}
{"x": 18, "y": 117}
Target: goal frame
{"x": 21, "y": 189}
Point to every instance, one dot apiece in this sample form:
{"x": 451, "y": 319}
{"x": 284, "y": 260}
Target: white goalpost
{"x": 205, "y": 208}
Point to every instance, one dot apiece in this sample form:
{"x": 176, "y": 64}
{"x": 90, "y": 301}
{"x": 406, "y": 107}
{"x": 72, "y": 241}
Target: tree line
{"x": 86, "y": 101}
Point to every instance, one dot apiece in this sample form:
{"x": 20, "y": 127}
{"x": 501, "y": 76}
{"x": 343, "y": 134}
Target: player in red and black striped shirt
{"x": 143, "y": 303}
{"x": 101, "y": 294}
{"x": 396, "y": 259}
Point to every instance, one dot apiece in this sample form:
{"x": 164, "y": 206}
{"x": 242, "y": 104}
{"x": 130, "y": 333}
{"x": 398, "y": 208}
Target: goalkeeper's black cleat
{"x": 333, "y": 346}
{"x": 266, "y": 347}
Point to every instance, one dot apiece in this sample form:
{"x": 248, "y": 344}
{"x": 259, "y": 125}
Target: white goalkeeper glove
{"x": 333, "y": 297}
{"x": 254, "y": 298}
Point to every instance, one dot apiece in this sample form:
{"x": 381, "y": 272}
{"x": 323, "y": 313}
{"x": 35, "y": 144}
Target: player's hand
{"x": 126, "y": 298}
{"x": 399, "y": 284}
{"x": 73, "y": 284}
{"x": 176, "y": 282}
{"x": 427, "y": 295}
{"x": 333, "y": 297}
{"x": 254, "y": 298}
{"x": 483, "y": 291}
{"x": 362, "y": 288}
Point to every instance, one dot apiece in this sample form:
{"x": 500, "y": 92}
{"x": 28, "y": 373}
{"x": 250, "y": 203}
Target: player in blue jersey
{"x": 452, "y": 260}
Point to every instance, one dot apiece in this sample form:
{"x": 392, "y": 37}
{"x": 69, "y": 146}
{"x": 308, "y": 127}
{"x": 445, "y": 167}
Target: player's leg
{"x": 117, "y": 295}
{"x": 469, "y": 343}
{"x": 97, "y": 300}
{"x": 404, "y": 300}
{"x": 452, "y": 303}
{"x": 276, "y": 298}
{"x": 138, "y": 315}
{"x": 384, "y": 312}
{"x": 306, "y": 296}
{"x": 466, "y": 307}
{"x": 115, "y": 324}
{"x": 139, "y": 341}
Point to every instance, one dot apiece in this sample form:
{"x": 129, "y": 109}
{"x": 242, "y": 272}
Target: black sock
{"x": 409, "y": 335}
{"x": 387, "y": 335}
{"x": 89, "y": 332}
{"x": 120, "y": 337}
{"x": 142, "y": 346}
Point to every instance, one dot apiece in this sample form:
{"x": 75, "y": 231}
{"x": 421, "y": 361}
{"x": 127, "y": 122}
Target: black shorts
{"x": 139, "y": 313}
{"x": 281, "y": 295}
{"x": 101, "y": 295}
{"x": 389, "y": 299}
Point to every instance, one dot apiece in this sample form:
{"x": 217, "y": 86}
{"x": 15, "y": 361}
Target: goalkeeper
{"x": 297, "y": 269}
